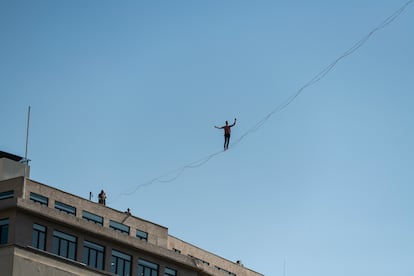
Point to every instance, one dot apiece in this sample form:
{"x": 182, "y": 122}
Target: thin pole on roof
{"x": 26, "y": 161}
{"x": 27, "y": 139}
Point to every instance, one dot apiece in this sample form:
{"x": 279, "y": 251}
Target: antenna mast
{"x": 27, "y": 137}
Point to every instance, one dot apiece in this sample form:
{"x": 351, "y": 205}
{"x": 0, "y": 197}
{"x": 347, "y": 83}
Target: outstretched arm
{"x": 233, "y": 123}
{"x": 218, "y": 127}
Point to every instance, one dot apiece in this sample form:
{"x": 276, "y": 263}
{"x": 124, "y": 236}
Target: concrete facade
{"x": 12, "y": 168}
{"x": 21, "y": 208}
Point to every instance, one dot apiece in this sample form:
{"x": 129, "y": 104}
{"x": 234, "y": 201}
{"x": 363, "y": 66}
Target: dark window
{"x": 120, "y": 263}
{"x": 93, "y": 255}
{"x": 225, "y": 271}
{"x": 146, "y": 268}
{"x": 119, "y": 227}
{"x": 170, "y": 272}
{"x": 64, "y": 245}
{"x": 177, "y": 250}
{"x": 142, "y": 235}
{"x": 39, "y": 236}
{"x": 39, "y": 198}
{"x": 6, "y": 194}
{"x": 200, "y": 260}
{"x": 65, "y": 208}
{"x": 92, "y": 217}
{"x": 4, "y": 230}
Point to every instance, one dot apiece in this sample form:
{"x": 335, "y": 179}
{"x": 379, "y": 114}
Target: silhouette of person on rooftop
{"x": 102, "y": 197}
{"x": 227, "y": 131}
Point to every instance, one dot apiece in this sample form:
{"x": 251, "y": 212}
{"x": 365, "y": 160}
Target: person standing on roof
{"x": 102, "y": 197}
{"x": 227, "y": 131}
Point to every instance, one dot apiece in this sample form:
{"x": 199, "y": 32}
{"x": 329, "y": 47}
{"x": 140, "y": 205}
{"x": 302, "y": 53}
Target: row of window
{"x": 58, "y": 205}
{"x": 65, "y": 245}
{"x": 93, "y": 254}
{"x": 71, "y": 210}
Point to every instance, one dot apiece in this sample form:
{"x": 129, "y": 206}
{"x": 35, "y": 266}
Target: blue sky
{"x": 125, "y": 91}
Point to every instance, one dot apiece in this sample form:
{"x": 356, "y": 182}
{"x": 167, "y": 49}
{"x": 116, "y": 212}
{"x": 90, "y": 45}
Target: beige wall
{"x": 11, "y": 169}
{"x": 17, "y": 261}
{"x": 6, "y": 260}
{"x": 15, "y": 184}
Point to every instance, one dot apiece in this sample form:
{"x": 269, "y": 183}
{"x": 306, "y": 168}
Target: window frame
{"x": 145, "y": 266}
{"x": 142, "y": 235}
{"x": 170, "y": 272}
{"x": 88, "y": 216}
{"x": 96, "y": 260}
{"x": 200, "y": 260}
{"x": 39, "y": 231}
{"x": 62, "y": 249}
{"x": 120, "y": 227}
{"x": 118, "y": 258}
{"x": 4, "y": 230}
{"x": 224, "y": 271}
{"x": 43, "y": 200}
{"x": 6, "y": 194}
{"x": 66, "y": 208}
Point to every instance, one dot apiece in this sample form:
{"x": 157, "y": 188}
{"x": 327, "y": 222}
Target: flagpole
{"x": 26, "y": 161}
{"x": 27, "y": 139}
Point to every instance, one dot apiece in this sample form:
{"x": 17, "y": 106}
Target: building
{"x": 46, "y": 231}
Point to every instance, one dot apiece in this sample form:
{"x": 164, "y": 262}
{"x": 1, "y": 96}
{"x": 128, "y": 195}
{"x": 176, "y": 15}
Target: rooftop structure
{"x": 46, "y": 231}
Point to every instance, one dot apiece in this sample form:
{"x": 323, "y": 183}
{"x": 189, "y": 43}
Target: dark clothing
{"x": 226, "y": 140}
{"x": 102, "y": 198}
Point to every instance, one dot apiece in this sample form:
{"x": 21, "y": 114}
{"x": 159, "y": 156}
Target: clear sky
{"x": 125, "y": 91}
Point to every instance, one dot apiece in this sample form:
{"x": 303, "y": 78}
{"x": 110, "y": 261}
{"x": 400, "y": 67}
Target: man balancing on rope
{"x": 227, "y": 131}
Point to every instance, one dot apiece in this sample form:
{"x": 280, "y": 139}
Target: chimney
{"x": 12, "y": 166}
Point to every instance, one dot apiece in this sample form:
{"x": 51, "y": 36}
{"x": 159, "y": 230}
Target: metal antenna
{"x": 26, "y": 161}
{"x": 27, "y": 137}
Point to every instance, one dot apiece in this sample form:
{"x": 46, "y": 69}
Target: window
{"x": 4, "y": 230}
{"x": 146, "y": 268}
{"x": 177, "y": 250}
{"x": 39, "y": 198}
{"x": 6, "y": 194}
{"x": 92, "y": 217}
{"x": 93, "y": 255}
{"x": 64, "y": 245}
{"x": 119, "y": 227}
{"x": 170, "y": 272}
{"x": 225, "y": 271}
{"x": 142, "y": 235}
{"x": 65, "y": 208}
{"x": 200, "y": 260}
{"x": 120, "y": 263}
{"x": 39, "y": 236}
